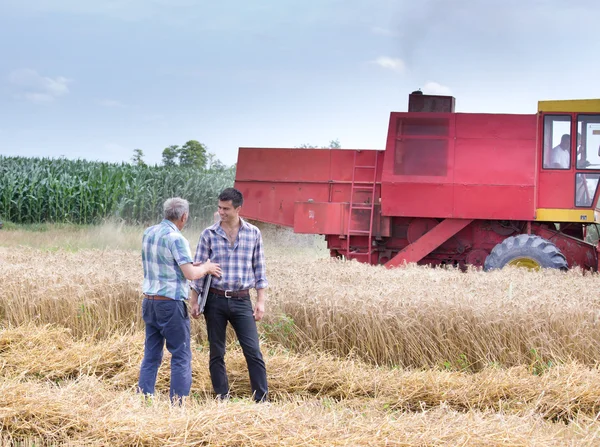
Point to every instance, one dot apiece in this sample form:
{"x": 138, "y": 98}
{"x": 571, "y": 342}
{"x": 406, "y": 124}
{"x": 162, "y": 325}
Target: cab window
{"x": 557, "y": 142}
{"x": 588, "y": 142}
{"x": 585, "y": 188}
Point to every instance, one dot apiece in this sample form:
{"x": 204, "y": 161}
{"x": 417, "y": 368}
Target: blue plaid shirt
{"x": 243, "y": 264}
{"x": 164, "y": 249}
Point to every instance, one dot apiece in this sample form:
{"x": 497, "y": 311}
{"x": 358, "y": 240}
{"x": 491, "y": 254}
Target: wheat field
{"x": 356, "y": 355}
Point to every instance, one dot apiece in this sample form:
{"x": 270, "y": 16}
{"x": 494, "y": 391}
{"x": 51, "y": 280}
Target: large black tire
{"x": 527, "y": 250}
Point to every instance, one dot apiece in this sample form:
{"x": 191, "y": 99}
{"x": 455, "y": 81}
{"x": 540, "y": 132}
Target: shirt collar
{"x": 243, "y": 224}
{"x": 169, "y": 223}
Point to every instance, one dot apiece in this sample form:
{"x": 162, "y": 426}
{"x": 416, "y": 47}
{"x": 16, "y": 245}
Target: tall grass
{"x": 356, "y": 355}
{"x": 408, "y": 317}
{"x": 34, "y": 190}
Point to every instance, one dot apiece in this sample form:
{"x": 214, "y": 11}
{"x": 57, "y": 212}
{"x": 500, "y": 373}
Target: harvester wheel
{"x": 526, "y": 250}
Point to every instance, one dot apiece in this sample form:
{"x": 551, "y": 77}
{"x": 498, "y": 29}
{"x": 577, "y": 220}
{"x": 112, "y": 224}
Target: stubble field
{"x": 356, "y": 355}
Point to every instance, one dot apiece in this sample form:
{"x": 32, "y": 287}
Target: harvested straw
{"x": 84, "y": 411}
{"x": 409, "y": 317}
{"x": 562, "y": 392}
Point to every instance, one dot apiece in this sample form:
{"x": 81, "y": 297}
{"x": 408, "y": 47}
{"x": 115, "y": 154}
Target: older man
{"x": 168, "y": 266}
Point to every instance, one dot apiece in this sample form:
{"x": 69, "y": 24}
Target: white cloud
{"x": 391, "y": 63}
{"x": 37, "y": 88}
{"x": 433, "y": 88}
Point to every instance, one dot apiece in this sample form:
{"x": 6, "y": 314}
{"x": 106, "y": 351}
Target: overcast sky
{"x": 96, "y": 79}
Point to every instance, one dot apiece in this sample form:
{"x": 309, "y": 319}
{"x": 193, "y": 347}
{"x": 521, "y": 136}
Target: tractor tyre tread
{"x": 526, "y": 245}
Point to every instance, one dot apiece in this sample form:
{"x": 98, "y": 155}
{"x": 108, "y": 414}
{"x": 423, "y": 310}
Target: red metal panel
{"x": 320, "y": 217}
{"x": 332, "y": 218}
{"x": 418, "y": 195}
{"x": 417, "y": 199}
{"x": 575, "y": 250}
{"x": 342, "y": 164}
{"x": 273, "y": 202}
{"x": 272, "y": 165}
{"x": 494, "y": 162}
{"x": 428, "y": 242}
{"x": 556, "y": 189}
{"x": 409, "y": 132}
{"x": 496, "y": 202}
{"x": 494, "y": 170}
{"x": 496, "y": 126}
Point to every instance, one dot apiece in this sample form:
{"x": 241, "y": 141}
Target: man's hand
{"x": 212, "y": 269}
{"x": 195, "y": 311}
{"x": 259, "y": 309}
{"x": 194, "y": 306}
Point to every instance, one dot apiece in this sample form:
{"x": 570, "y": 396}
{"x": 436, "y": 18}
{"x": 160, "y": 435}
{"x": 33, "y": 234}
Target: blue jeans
{"x": 166, "y": 321}
{"x": 218, "y": 312}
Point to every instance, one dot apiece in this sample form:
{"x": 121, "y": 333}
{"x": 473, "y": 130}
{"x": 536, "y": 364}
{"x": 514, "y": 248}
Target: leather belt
{"x": 230, "y": 293}
{"x": 158, "y": 298}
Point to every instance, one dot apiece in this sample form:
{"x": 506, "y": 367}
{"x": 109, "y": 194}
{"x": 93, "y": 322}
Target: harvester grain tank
{"x": 450, "y": 188}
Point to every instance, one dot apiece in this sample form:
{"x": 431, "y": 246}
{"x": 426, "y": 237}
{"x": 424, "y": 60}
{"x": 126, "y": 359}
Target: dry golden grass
{"x": 84, "y": 412}
{"x": 110, "y": 235}
{"x": 356, "y": 355}
{"x": 63, "y": 389}
{"x": 563, "y": 392}
{"x": 113, "y": 235}
{"x": 410, "y": 317}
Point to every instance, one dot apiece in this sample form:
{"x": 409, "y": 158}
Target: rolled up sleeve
{"x": 202, "y": 254}
{"x": 259, "y": 264}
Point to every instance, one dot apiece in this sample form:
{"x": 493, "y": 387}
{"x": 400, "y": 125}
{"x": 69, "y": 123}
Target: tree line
{"x": 192, "y": 154}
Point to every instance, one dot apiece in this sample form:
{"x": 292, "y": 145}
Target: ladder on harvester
{"x": 363, "y": 187}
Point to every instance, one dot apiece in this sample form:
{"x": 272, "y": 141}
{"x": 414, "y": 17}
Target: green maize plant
{"x": 36, "y": 190}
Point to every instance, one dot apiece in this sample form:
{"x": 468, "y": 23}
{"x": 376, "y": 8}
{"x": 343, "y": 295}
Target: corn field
{"x": 35, "y": 190}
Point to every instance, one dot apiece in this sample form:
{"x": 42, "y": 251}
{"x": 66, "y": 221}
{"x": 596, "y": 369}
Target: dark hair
{"x": 236, "y": 197}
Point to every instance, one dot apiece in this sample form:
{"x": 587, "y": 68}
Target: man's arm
{"x": 201, "y": 256}
{"x": 180, "y": 249}
{"x": 260, "y": 277}
{"x": 195, "y": 272}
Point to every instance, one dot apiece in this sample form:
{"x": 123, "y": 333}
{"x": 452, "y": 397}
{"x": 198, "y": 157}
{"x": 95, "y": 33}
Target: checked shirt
{"x": 243, "y": 264}
{"x": 164, "y": 249}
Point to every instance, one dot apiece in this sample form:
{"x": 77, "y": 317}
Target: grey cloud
{"x": 37, "y": 88}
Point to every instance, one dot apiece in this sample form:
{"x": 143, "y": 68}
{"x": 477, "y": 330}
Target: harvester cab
{"x": 449, "y": 188}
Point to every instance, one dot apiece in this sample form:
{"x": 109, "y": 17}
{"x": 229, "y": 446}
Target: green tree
{"x": 169, "y": 156}
{"x": 333, "y": 144}
{"x": 218, "y": 165}
{"x": 138, "y": 157}
{"x": 214, "y": 164}
{"x": 193, "y": 154}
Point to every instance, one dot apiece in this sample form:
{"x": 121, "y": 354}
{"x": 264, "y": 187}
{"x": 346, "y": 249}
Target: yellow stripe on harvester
{"x": 561, "y": 215}
{"x": 570, "y": 106}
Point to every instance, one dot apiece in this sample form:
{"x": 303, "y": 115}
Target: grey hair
{"x": 175, "y": 207}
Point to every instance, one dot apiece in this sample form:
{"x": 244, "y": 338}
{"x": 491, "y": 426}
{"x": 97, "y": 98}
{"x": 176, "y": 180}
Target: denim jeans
{"x": 218, "y": 312}
{"x": 166, "y": 321}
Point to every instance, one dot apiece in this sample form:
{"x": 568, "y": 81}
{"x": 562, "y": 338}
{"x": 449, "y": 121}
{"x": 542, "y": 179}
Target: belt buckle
{"x": 227, "y": 292}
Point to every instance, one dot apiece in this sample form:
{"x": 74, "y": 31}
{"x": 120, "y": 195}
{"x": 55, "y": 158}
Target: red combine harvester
{"x": 449, "y": 188}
